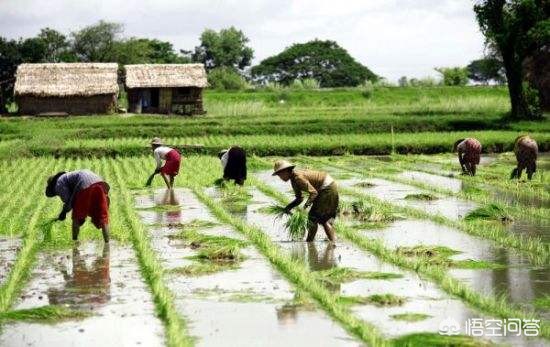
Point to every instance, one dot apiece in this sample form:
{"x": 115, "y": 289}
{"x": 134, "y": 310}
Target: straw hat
{"x": 281, "y": 165}
{"x": 156, "y": 141}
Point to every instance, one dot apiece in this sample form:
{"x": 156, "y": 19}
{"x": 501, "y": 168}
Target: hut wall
{"x": 134, "y": 100}
{"x": 165, "y": 100}
{"x": 187, "y": 100}
{"x": 95, "y": 104}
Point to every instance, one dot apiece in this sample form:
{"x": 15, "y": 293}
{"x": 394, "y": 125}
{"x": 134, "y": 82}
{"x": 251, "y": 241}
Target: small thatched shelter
{"x": 66, "y": 88}
{"x": 165, "y": 88}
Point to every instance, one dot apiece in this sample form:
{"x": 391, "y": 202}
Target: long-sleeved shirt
{"x": 309, "y": 181}
{"x": 160, "y": 154}
{"x": 70, "y": 183}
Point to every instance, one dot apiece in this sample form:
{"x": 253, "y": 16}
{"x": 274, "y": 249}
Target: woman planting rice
{"x": 171, "y": 167}
{"x": 469, "y": 154}
{"x": 526, "y": 150}
{"x": 233, "y": 162}
{"x": 323, "y": 196}
{"x": 86, "y": 194}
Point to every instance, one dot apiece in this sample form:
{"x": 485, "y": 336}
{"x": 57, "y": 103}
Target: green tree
{"x": 10, "y": 57}
{"x": 517, "y": 28}
{"x": 486, "y": 69}
{"x": 324, "y": 61}
{"x": 226, "y": 78}
{"x": 226, "y": 48}
{"x": 96, "y": 43}
{"x": 453, "y": 76}
{"x": 57, "y": 47}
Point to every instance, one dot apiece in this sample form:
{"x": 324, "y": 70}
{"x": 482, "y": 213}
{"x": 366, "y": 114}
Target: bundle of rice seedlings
{"x": 235, "y": 194}
{"x": 490, "y": 212}
{"x": 230, "y": 252}
{"x": 277, "y": 210}
{"x": 421, "y": 196}
{"x": 297, "y": 224}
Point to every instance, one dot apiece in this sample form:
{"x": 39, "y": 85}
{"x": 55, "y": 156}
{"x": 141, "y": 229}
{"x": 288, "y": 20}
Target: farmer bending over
{"x": 171, "y": 167}
{"x": 86, "y": 194}
{"x": 469, "y": 154}
{"x": 526, "y": 150}
{"x": 323, "y": 196}
{"x": 233, "y": 162}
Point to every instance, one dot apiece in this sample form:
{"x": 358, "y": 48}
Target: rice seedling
{"x": 421, "y": 196}
{"x": 491, "y": 212}
{"x": 363, "y": 211}
{"x": 364, "y": 184}
{"x": 438, "y": 340}
{"x": 50, "y": 314}
{"x": 338, "y": 275}
{"x": 542, "y": 303}
{"x": 410, "y": 317}
{"x": 204, "y": 268}
{"x": 376, "y": 299}
{"x": 430, "y": 254}
{"x": 297, "y": 224}
{"x": 277, "y": 210}
{"x": 225, "y": 253}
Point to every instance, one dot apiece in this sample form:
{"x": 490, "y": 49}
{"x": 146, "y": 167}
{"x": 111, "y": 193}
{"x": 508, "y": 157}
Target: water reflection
{"x": 318, "y": 256}
{"x": 84, "y": 284}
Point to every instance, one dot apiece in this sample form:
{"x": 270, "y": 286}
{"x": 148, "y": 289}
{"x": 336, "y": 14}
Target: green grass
{"x": 542, "y": 303}
{"x": 411, "y": 317}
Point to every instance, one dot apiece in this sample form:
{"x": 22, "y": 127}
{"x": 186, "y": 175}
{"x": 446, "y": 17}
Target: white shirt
{"x": 327, "y": 182}
{"x": 160, "y": 154}
{"x": 223, "y": 159}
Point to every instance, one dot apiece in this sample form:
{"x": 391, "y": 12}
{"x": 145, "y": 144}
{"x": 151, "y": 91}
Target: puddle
{"x": 103, "y": 280}
{"x": 451, "y": 184}
{"x": 537, "y": 229}
{"x": 246, "y": 304}
{"x": 8, "y": 254}
{"x": 521, "y": 282}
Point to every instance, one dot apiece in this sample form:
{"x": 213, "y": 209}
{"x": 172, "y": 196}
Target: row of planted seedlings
{"x": 84, "y": 292}
{"x": 400, "y": 304}
{"x": 492, "y": 177}
{"x": 230, "y": 281}
{"x": 529, "y": 259}
{"x": 491, "y": 220}
{"x": 452, "y": 259}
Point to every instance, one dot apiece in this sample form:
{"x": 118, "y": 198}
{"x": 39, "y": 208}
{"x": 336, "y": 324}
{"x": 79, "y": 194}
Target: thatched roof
{"x": 165, "y": 75}
{"x": 66, "y": 79}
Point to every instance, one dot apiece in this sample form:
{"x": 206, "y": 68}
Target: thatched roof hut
{"x": 165, "y": 88}
{"x": 71, "y": 88}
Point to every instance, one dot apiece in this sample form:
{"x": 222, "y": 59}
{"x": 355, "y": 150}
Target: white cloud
{"x": 392, "y": 37}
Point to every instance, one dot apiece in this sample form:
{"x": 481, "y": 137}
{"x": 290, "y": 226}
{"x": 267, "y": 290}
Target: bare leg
{"x": 473, "y": 169}
{"x": 172, "y": 181}
{"x": 166, "y": 180}
{"x": 520, "y": 171}
{"x": 329, "y": 230}
{"x": 76, "y": 229}
{"x": 312, "y": 230}
{"x": 105, "y": 232}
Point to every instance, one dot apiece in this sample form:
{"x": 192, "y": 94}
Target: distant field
{"x": 286, "y": 122}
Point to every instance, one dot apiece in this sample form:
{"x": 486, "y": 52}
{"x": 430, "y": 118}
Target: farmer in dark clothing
{"x": 323, "y": 196}
{"x": 469, "y": 154}
{"x": 526, "y": 150}
{"x": 86, "y": 194}
{"x": 233, "y": 162}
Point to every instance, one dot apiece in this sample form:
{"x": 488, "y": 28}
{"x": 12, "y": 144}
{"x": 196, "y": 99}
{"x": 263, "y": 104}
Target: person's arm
{"x": 461, "y": 160}
{"x": 158, "y": 159}
{"x": 66, "y": 194}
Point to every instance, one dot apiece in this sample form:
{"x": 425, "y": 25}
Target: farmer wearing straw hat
{"x": 323, "y": 196}
{"x": 233, "y": 162}
{"x": 526, "y": 150}
{"x": 86, "y": 194}
{"x": 469, "y": 154}
{"x": 171, "y": 166}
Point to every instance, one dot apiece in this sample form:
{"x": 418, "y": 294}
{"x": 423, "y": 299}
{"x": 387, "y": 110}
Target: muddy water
{"x": 441, "y": 182}
{"x": 99, "y": 279}
{"x": 421, "y": 296}
{"x": 8, "y": 254}
{"x": 520, "y": 281}
{"x": 248, "y": 305}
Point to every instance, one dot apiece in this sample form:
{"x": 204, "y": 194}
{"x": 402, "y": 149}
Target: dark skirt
{"x": 325, "y": 205}
{"x": 236, "y": 164}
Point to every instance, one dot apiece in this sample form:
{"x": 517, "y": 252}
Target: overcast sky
{"x": 392, "y": 37}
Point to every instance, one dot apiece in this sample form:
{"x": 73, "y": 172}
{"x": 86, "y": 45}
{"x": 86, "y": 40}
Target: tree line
{"x": 517, "y": 38}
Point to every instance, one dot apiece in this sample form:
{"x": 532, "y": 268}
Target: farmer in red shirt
{"x": 469, "y": 154}
{"x": 86, "y": 194}
{"x": 171, "y": 166}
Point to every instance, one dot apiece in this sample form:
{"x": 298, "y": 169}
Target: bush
{"x": 304, "y": 84}
{"x": 367, "y": 89}
{"x": 224, "y": 78}
{"x": 454, "y": 76}
{"x": 532, "y": 99}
